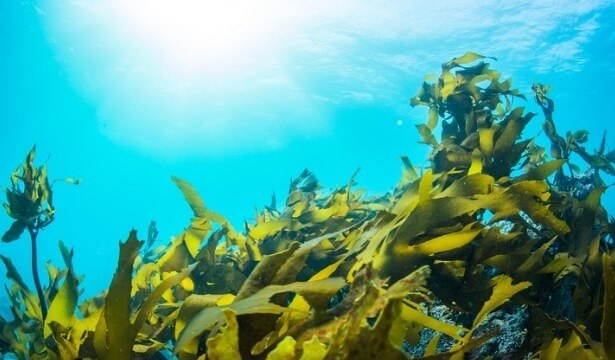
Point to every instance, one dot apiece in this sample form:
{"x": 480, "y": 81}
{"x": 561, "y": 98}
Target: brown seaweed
{"x": 345, "y": 275}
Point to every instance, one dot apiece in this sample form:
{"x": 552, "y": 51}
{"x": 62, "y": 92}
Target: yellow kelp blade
{"x": 313, "y": 350}
{"x": 192, "y": 197}
{"x": 197, "y": 204}
{"x": 399, "y": 290}
{"x": 469, "y": 186}
{"x": 572, "y": 348}
{"x": 327, "y": 271}
{"x": 451, "y": 330}
{"x": 432, "y": 345}
{"x": 115, "y": 332}
{"x": 431, "y": 212}
{"x": 411, "y": 282}
{"x": 534, "y": 261}
{"x": 550, "y": 353}
{"x": 542, "y": 171}
{"x": 284, "y": 266}
{"x": 193, "y": 236}
{"x": 515, "y": 122}
{"x": 262, "y": 230}
{"x": 486, "y": 139}
{"x": 66, "y": 349}
{"x": 190, "y": 307}
{"x": 433, "y": 118}
{"x": 427, "y": 136}
{"x": 562, "y": 265}
{"x": 62, "y": 308}
{"x": 466, "y": 58}
{"x": 225, "y": 345}
{"x": 440, "y": 244}
{"x": 476, "y": 166}
{"x": 179, "y": 254}
{"x": 318, "y": 215}
{"x": 425, "y": 185}
{"x": 502, "y": 292}
{"x": 147, "y": 276}
{"x": 285, "y": 350}
{"x": 408, "y": 172}
{"x": 447, "y": 85}
{"x": 83, "y": 327}
{"x": 12, "y": 273}
{"x": 458, "y": 352}
{"x": 113, "y": 338}
{"x": 265, "y": 271}
{"x": 289, "y": 270}
{"x": 370, "y": 343}
{"x": 257, "y": 303}
{"x": 151, "y": 301}
{"x": 529, "y": 196}
{"x": 607, "y": 328}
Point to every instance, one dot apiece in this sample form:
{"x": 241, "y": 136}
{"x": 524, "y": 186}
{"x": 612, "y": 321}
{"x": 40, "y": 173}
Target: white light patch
{"x": 192, "y": 37}
{"x": 187, "y": 76}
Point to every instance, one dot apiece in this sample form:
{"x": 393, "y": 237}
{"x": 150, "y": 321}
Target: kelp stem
{"x": 37, "y": 281}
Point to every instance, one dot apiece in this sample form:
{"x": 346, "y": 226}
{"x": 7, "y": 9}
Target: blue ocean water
{"x": 238, "y": 98}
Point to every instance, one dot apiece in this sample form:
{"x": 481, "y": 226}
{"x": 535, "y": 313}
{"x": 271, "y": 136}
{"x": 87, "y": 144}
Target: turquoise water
{"x": 238, "y": 99}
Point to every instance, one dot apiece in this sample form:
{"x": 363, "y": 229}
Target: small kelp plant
{"x": 493, "y": 250}
{"x": 29, "y": 203}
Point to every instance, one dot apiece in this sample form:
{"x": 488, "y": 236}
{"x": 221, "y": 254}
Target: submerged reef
{"x": 497, "y": 249}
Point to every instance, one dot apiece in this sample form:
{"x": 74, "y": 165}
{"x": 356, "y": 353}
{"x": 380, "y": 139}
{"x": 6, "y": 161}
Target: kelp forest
{"x": 498, "y": 249}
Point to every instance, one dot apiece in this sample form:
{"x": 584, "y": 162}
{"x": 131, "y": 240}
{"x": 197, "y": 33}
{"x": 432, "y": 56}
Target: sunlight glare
{"x": 196, "y": 37}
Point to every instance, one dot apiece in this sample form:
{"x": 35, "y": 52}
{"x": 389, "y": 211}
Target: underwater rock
{"x": 512, "y": 333}
{"x": 509, "y": 321}
{"x": 577, "y": 185}
{"x": 560, "y": 304}
{"x": 443, "y": 313}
